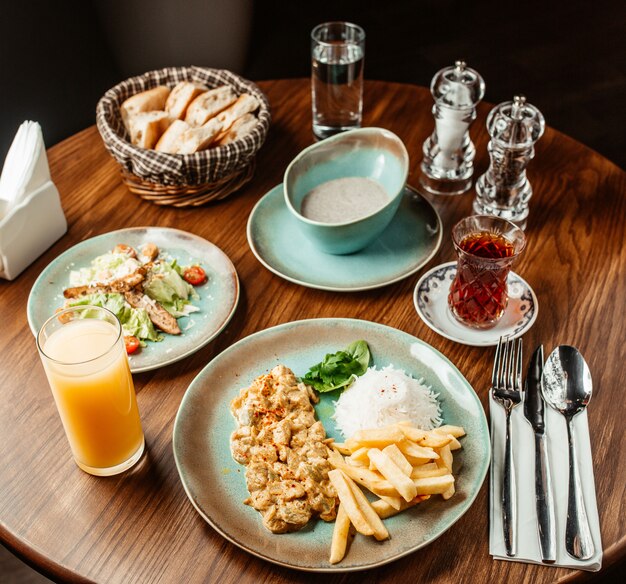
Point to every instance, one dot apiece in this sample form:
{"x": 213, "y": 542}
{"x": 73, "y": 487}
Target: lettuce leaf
{"x": 134, "y": 321}
{"x": 140, "y": 326}
{"x": 339, "y": 369}
{"x": 167, "y": 287}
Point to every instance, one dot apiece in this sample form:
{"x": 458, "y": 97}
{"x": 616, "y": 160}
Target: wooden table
{"x": 140, "y": 527}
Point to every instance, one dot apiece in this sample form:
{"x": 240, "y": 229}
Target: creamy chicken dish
{"x": 284, "y": 450}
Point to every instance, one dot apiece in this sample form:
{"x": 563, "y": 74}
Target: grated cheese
{"x": 385, "y": 396}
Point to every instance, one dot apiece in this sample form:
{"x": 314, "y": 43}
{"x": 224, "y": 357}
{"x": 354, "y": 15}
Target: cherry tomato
{"x": 132, "y": 344}
{"x": 195, "y": 275}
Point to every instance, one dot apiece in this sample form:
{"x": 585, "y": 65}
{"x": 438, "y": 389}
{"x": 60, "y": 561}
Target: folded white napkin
{"x": 23, "y": 169}
{"x": 31, "y": 216}
{"x": 524, "y": 461}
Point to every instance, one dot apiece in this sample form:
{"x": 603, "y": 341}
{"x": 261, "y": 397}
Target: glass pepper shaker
{"x": 447, "y": 166}
{"x": 504, "y": 190}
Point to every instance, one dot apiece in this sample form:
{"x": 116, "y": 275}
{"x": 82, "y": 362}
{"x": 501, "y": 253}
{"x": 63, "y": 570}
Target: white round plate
{"x": 431, "y": 302}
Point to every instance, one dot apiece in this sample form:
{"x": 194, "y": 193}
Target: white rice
{"x": 385, "y": 396}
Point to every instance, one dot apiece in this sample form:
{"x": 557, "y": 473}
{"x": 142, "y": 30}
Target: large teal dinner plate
{"x": 215, "y": 483}
{"x": 218, "y": 297}
{"x": 407, "y": 244}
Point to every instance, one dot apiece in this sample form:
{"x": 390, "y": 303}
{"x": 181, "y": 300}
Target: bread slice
{"x": 170, "y": 140}
{"x": 146, "y": 101}
{"x": 147, "y": 127}
{"x": 181, "y": 96}
{"x": 245, "y": 104}
{"x": 240, "y": 128}
{"x": 196, "y": 139}
{"x": 209, "y": 104}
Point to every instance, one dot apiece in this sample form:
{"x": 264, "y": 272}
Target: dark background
{"x": 567, "y": 57}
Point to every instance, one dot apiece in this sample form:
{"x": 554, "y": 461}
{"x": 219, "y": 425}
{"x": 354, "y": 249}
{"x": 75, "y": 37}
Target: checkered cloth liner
{"x": 203, "y": 167}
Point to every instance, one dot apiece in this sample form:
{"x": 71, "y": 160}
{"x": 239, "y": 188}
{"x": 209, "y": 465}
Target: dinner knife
{"x": 534, "y": 412}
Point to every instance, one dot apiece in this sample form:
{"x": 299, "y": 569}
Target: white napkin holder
{"x": 29, "y": 229}
{"x": 32, "y": 219}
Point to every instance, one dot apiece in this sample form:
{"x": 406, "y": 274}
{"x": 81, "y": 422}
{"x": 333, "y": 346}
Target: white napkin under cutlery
{"x": 524, "y": 462}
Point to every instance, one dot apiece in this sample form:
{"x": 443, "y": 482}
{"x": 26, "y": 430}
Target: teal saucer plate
{"x": 215, "y": 483}
{"x": 407, "y": 244}
{"x": 218, "y": 296}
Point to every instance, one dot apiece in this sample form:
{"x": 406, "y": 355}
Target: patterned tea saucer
{"x": 431, "y": 302}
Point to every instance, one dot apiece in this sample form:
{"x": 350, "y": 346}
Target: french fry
{"x": 341, "y": 531}
{"x": 380, "y": 531}
{"x": 360, "y": 455}
{"x": 446, "y": 456}
{"x": 426, "y": 466}
{"x": 403, "y": 484}
{"x": 454, "y": 443}
{"x": 393, "y": 502}
{"x": 384, "y": 510}
{"x": 435, "y": 439}
{"x": 411, "y": 448}
{"x": 374, "y": 438}
{"x": 419, "y": 472}
{"x": 393, "y": 452}
{"x": 433, "y": 485}
{"x": 371, "y": 480}
{"x": 417, "y": 461}
{"x": 341, "y": 448}
{"x": 456, "y": 431}
{"x": 412, "y": 433}
{"x": 357, "y": 463}
{"x": 448, "y": 493}
{"x": 335, "y": 458}
{"x": 346, "y": 497}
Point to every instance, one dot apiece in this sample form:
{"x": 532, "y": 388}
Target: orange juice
{"x": 88, "y": 371}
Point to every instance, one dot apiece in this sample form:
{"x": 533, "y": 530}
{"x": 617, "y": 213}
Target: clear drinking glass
{"x": 337, "y": 53}
{"x": 486, "y": 248}
{"x": 83, "y": 354}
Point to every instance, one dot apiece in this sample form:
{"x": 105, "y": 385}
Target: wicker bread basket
{"x": 181, "y": 179}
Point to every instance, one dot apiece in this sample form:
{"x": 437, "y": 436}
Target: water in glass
{"x": 337, "y": 87}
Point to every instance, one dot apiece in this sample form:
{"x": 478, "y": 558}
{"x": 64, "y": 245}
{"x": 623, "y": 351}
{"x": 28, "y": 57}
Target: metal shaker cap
{"x": 515, "y": 124}
{"x": 458, "y": 87}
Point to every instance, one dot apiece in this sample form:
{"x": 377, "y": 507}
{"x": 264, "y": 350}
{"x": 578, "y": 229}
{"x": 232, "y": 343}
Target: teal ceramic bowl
{"x": 373, "y": 153}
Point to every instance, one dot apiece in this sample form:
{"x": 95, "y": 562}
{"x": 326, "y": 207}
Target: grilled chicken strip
{"x": 120, "y": 285}
{"x": 150, "y": 251}
{"x": 158, "y": 315}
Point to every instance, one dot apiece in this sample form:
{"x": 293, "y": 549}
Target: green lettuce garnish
{"x": 167, "y": 287}
{"x": 134, "y": 321}
{"x": 340, "y": 369}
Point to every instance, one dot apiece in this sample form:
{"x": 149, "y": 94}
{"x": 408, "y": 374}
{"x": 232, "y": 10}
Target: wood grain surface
{"x": 140, "y": 526}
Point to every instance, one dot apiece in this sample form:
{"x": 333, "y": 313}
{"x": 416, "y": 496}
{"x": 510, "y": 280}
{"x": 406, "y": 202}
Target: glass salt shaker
{"x": 504, "y": 190}
{"x": 448, "y": 162}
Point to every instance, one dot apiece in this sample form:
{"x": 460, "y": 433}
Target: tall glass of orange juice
{"x": 83, "y": 353}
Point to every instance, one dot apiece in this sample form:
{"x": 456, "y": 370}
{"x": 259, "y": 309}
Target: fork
{"x": 506, "y": 389}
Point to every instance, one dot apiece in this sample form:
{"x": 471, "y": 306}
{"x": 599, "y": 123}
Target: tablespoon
{"x": 566, "y": 386}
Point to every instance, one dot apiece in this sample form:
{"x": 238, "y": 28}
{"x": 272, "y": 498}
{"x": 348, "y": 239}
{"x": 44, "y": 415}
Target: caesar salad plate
{"x": 215, "y": 483}
{"x": 407, "y": 244}
{"x": 217, "y": 301}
